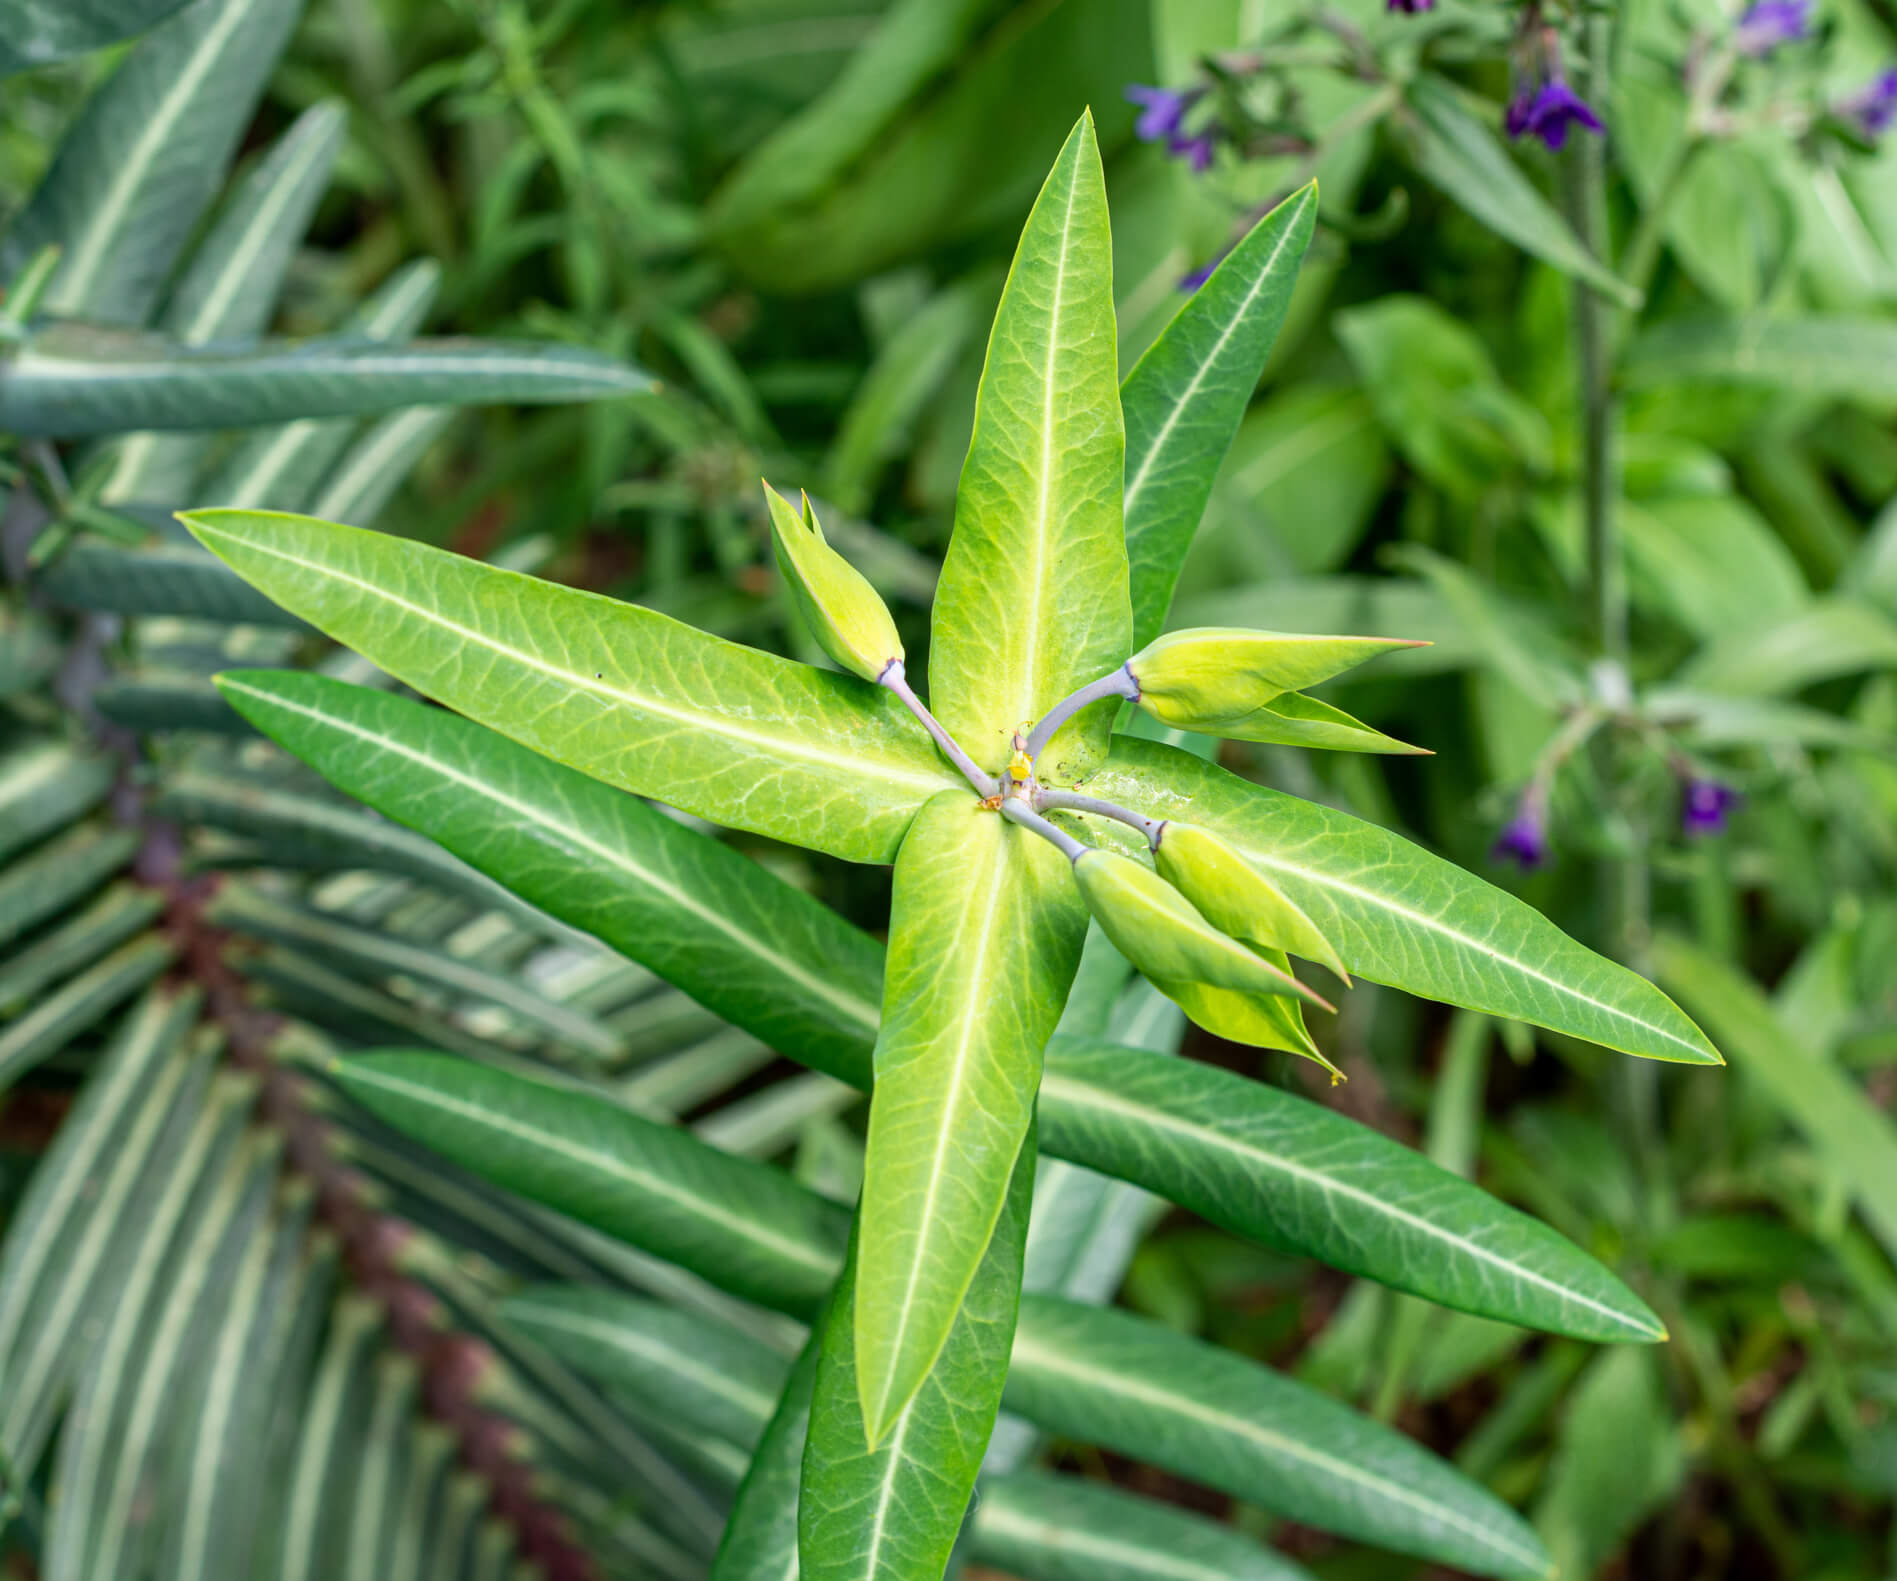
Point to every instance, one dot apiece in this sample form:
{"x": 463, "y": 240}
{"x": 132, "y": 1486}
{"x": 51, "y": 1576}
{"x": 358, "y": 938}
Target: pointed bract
{"x": 1236, "y": 898}
{"x": 844, "y": 613}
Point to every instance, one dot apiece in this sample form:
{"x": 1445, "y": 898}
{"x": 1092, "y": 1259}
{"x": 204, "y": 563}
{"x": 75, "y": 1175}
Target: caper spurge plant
{"x": 1010, "y": 808}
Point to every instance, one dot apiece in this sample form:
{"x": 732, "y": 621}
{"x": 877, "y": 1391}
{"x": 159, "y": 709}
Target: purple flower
{"x": 1410, "y": 7}
{"x": 1874, "y": 108}
{"x": 1191, "y": 282}
{"x": 1163, "y": 111}
{"x": 1547, "y": 112}
{"x": 1771, "y": 23}
{"x": 1705, "y": 805}
{"x": 1197, "y": 151}
{"x": 1524, "y": 841}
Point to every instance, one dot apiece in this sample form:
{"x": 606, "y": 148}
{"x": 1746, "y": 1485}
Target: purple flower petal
{"x": 1771, "y": 23}
{"x": 1549, "y": 112}
{"x": 1164, "y": 110}
{"x": 1191, "y": 282}
{"x": 1410, "y": 7}
{"x": 1874, "y": 107}
{"x": 1706, "y": 806}
{"x": 1197, "y": 151}
{"x": 1523, "y": 841}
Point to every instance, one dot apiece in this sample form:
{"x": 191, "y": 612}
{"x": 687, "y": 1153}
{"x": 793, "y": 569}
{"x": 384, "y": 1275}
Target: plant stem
{"x": 1073, "y": 801}
{"x": 1015, "y": 810}
{"x": 1117, "y": 683}
{"x": 986, "y": 785}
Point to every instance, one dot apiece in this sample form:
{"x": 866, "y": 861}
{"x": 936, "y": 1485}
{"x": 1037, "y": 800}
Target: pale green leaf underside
{"x": 784, "y": 967}
{"x": 624, "y": 694}
{"x": 1033, "y": 600}
{"x": 984, "y": 938}
{"x": 1401, "y": 916}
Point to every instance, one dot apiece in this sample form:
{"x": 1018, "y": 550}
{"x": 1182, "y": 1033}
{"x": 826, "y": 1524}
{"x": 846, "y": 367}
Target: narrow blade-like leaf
{"x": 1186, "y": 396}
{"x": 647, "y": 1183}
{"x": 137, "y": 170}
{"x": 1404, "y": 917}
{"x": 1033, "y": 601}
{"x": 985, "y": 934}
{"x": 628, "y": 695}
{"x": 760, "y": 1540}
{"x": 1132, "y": 1386}
{"x": 70, "y": 380}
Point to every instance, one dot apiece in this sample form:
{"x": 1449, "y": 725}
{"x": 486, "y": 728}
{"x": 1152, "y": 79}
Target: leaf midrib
{"x": 714, "y": 725}
{"x": 1084, "y": 1096}
{"x": 605, "y": 1164}
{"x": 133, "y": 171}
{"x": 1205, "y": 366}
{"x": 862, "y": 1011}
{"x": 1107, "y": 1384}
{"x": 997, "y": 1517}
{"x": 968, "y": 1020}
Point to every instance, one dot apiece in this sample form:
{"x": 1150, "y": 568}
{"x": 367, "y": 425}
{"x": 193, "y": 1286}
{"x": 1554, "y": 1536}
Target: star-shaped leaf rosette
{"x": 1012, "y": 811}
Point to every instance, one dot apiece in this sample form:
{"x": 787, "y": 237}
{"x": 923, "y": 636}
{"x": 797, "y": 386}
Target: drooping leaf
{"x": 1186, "y": 396}
{"x": 140, "y": 166}
{"x": 1779, "y": 655}
{"x": 985, "y": 934}
{"x": 69, "y": 379}
{"x": 742, "y": 737}
{"x": 1033, "y": 597}
{"x": 1459, "y": 154}
{"x": 1128, "y": 1384}
{"x": 704, "y": 1375}
{"x": 1404, "y": 917}
{"x": 651, "y": 1184}
{"x": 890, "y": 1510}
{"x": 1294, "y": 1174}
{"x": 757, "y": 951}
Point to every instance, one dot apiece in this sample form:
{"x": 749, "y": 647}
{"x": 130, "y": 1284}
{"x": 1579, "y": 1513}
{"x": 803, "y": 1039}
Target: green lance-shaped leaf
{"x": 136, "y": 172}
{"x": 1033, "y": 597}
{"x": 1837, "y": 356}
{"x": 69, "y": 380}
{"x": 1224, "y": 985}
{"x": 651, "y": 1184}
{"x": 1130, "y": 1385}
{"x": 1404, "y": 917}
{"x": 1235, "y": 897}
{"x": 844, "y": 613}
{"x": 230, "y": 287}
{"x": 1243, "y": 685}
{"x": 1296, "y": 1175}
{"x": 984, "y": 938}
{"x": 890, "y": 1509}
{"x": 756, "y": 950}
{"x": 1458, "y": 153}
{"x": 703, "y": 1374}
{"x": 626, "y": 694}
{"x": 40, "y": 32}
{"x": 1055, "y": 1528}
{"x": 1186, "y": 396}
{"x": 776, "y": 962}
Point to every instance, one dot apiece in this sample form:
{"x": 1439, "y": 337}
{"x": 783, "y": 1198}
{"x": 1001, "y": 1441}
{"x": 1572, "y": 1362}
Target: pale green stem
{"x": 1073, "y": 801}
{"x": 1119, "y": 683}
{"x": 1015, "y": 810}
{"x": 986, "y": 785}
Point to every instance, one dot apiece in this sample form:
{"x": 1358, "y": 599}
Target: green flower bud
{"x": 1268, "y": 1021}
{"x": 1235, "y": 897}
{"x": 1243, "y": 684}
{"x": 844, "y": 613}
